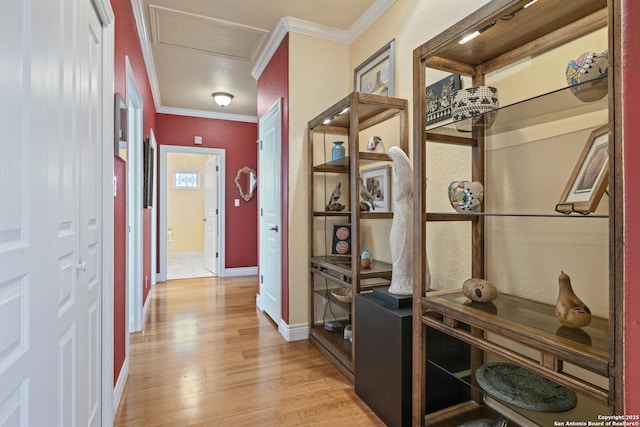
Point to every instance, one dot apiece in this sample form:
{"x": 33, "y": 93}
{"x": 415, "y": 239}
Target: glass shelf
{"x": 549, "y": 107}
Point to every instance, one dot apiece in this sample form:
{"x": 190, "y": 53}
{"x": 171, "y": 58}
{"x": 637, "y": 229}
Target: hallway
{"x": 208, "y": 357}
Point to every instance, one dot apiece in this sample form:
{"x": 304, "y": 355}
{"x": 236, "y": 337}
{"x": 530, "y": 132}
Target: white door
{"x": 211, "y": 215}
{"x": 50, "y": 221}
{"x": 269, "y": 195}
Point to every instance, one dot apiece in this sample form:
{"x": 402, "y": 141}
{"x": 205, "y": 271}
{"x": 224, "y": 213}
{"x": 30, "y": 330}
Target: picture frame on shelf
{"x": 377, "y": 188}
{"x": 439, "y": 97}
{"x": 341, "y": 239}
{"x": 590, "y": 176}
{"x": 377, "y": 74}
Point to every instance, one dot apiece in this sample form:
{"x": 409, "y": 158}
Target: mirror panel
{"x": 246, "y": 181}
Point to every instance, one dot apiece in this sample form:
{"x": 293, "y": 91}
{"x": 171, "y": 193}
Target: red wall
{"x": 238, "y": 139}
{"x": 631, "y": 150}
{"x": 127, "y": 44}
{"x": 273, "y": 84}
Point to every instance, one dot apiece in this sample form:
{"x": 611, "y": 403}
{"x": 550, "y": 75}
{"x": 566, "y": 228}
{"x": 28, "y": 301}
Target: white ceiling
{"x": 195, "y": 47}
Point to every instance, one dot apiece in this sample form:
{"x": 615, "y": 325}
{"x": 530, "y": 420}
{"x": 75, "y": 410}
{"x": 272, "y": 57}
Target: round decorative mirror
{"x": 246, "y": 182}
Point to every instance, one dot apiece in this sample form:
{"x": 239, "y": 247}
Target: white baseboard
{"x": 240, "y": 271}
{"x": 290, "y": 333}
{"x": 293, "y": 332}
{"x": 118, "y": 390}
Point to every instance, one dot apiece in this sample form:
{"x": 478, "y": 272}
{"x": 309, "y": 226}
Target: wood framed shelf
{"x": 346, "y": 120}
{"x": 517, "y": 236}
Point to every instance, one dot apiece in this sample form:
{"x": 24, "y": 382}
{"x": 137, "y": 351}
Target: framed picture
{"x": 148, "y": 156}
{"x": 378, "y": 73}
{"x": 120, "y": 127}
{"x": 439, "y": 97}
{"x": 376, "y": 189}
{"x": 341, "y": 240}
{"x": 590, "y": 176}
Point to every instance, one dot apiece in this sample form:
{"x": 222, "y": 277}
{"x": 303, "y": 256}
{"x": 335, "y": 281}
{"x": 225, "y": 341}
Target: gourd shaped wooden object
{"x": 570, "y": 310}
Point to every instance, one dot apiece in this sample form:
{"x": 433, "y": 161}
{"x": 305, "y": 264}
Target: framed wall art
{"x": 590, "y": 176}
{"x": 120, "y": 127}
{"x": 341, "y": 240}
{"x": 439, "y": 97}
{"x": 378, "y": 73}
{"x": 376, "y": 188}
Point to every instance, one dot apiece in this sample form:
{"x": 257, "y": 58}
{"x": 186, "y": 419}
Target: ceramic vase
{"x": 584, "y": 76}
{"x": 365, "y": 259}
{"x": 570, "y": 310}
{"x": 466, "y": 196}
{"x": 337, "y": 152}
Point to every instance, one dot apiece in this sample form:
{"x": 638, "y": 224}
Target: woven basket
{"x": 342, "y": 294}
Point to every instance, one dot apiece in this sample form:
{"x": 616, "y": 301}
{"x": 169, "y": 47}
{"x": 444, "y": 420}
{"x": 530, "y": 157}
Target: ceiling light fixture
{"x": 475, "y": 34}
{"x": 222, "y": 98}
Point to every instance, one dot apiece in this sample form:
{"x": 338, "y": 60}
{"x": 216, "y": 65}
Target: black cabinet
{"x": 383, "y": 356}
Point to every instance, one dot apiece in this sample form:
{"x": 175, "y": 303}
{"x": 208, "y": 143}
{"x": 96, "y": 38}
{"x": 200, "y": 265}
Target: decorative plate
{"x": 524, "y": 389}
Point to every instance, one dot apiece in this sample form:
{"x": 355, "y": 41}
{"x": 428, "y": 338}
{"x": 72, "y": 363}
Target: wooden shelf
{"x": 518, "y": 330}
{"x": 347, "y": 117}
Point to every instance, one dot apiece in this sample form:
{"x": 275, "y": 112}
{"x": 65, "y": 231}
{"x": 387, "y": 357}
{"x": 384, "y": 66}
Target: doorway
{"x": 184, "y": 243}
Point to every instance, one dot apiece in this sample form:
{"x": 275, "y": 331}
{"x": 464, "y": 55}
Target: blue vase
{"x": 337, "y": 152}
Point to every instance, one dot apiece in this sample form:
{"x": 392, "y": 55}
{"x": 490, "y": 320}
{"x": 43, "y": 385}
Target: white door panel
{"x": 211, "y": 248}
{"x": 269, "y": 191}
{"x": 50, "y": 225}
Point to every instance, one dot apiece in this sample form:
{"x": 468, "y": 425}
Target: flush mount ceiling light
{"x": 222, "y": 98}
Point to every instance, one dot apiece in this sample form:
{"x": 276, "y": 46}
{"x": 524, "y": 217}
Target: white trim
{"x": 147, "y": 54}
{"x": 154, "y": 209}
{"x": 207, "y": 114}
{"x": 293, "y": 333}
{"x": 164, "y": 150}
{"x": 118, "y": 390}
{"x": 105, "y": 13}
{"x": 240, "y": 271}
{"x": 293, "y": 25}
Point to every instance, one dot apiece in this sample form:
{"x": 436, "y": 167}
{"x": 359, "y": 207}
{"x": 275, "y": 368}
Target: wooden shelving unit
{"x": 513, "y": 329}
{"x": 346, "y": 119}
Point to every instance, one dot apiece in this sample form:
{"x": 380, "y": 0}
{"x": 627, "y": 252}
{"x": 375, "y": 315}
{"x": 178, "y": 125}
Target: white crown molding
{"x": 293, "y": 25}
{"x": 207, "y": 114}
{"x": 370, "y": 16}
{"x": 145, "y": 45}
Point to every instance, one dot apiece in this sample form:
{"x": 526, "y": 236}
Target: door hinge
{"x": 217, "y": 168}
{"x": 261, "y": 279}
{"x": 260, "y": 142}
{"x": 216, "y": 254}
{"x": 261, "y": 212}
{"x": 216, "y": 211}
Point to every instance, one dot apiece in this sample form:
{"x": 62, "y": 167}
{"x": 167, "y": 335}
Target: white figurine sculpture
{"x": 400, "y": 238}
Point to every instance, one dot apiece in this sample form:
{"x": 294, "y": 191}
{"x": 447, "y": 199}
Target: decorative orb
{"x": 474, "y": 106}
{"x": 466, "y": 196}
{"x": 584, "y": 76}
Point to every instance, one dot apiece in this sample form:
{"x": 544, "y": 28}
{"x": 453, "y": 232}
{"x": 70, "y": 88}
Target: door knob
{"x": 275, "y": 228}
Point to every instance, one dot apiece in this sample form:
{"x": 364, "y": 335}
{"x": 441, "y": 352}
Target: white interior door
{"x": 211, "y": 215}
{"x": 269, "y": 195}
{"x": 51, "y": 223}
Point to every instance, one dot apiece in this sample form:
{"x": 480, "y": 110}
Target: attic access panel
{"x": 510, "y": 26}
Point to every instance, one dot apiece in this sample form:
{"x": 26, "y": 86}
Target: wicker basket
{"x": 342, "y": 294}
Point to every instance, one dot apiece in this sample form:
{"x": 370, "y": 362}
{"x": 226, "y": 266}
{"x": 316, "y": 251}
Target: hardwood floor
{"x": 208, "y": 357}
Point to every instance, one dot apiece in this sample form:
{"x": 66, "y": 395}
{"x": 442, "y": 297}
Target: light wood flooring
{"x": 208, "y": 357}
